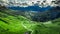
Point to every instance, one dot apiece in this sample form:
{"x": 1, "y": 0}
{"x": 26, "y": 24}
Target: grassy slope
{"x": 10, "y": 24}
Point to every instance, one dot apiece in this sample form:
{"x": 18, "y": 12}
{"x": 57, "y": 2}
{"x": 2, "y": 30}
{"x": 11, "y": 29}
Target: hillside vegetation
{"x": 17, "y": 24}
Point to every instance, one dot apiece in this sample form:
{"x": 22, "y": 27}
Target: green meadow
{"x": 17, "y": 24}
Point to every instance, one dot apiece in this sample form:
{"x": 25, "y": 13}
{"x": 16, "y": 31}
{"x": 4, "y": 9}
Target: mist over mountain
{"x": 26, "y": 3}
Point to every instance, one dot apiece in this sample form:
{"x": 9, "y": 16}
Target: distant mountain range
{"x": 49, "y": 13}
{"x": 31, "y": 8}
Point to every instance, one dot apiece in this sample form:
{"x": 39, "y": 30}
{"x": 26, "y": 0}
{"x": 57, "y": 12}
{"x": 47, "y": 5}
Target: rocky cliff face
{"x": 51, "y": 14}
